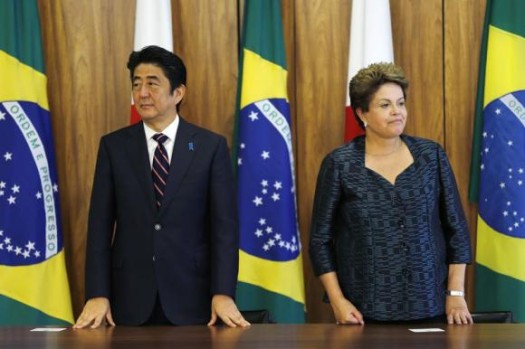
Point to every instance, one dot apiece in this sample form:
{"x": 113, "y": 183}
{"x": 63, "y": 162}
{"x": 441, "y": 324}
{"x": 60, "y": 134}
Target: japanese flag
{"x": 152, "y": 27}
{"x": 370, "y": 42}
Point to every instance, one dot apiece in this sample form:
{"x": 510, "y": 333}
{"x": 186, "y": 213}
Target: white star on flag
{"x": 253, "y": 116}
{"x": 257, "y": 201}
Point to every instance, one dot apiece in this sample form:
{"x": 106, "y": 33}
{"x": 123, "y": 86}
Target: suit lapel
{"x": 137, "y": 148}
{"x": 184, "y": 150}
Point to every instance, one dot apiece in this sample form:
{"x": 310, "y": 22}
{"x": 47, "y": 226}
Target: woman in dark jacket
{"x": 389, "y": 240}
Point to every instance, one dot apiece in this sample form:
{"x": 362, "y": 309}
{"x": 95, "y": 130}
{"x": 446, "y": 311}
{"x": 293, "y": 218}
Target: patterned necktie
{"x": 160, "y": 168}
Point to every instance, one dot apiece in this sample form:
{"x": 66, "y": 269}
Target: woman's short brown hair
{"x": 369, "y": 79}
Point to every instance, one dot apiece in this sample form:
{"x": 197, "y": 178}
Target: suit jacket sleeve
{"x": 224, "y": 224}
{"x": 101, "y": 222}
{"x": 322, "y": 232}
{"x": 452, "y": 216}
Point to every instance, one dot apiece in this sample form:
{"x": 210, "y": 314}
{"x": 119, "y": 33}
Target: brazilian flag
{"x": 498, "y": 161}
{"x": 270, "y": 264}
{"x": 33, "y": 282}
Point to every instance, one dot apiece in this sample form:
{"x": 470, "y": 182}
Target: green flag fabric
{"x": 498, "y": 161}
{"x": 34, "y": 288}
{"x": 270, "y": 258}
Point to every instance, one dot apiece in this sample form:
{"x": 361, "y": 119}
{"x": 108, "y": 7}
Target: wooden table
{"x": 326, "y": 336}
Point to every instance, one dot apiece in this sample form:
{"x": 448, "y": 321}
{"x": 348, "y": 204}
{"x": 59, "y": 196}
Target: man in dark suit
{"x": 162, "y": 245}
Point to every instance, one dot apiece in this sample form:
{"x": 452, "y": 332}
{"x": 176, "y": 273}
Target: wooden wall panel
{"x": 417, "y": 29}
{"x": 321, "y": 41}
{"x": 463, "y": 30}
{"x": 86, "y": 46}
{"x": 205, "y": 35}
{"x": 86, "y": 49}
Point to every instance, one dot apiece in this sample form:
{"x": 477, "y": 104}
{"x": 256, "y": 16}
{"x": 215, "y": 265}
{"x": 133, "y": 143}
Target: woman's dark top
{"x": 389, "y": 244}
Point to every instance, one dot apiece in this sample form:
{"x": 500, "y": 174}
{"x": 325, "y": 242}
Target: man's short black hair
{"x": 171, "y": 64}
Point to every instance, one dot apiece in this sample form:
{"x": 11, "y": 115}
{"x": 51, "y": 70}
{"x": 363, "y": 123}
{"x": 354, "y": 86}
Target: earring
{"x": 365, "y": 124}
